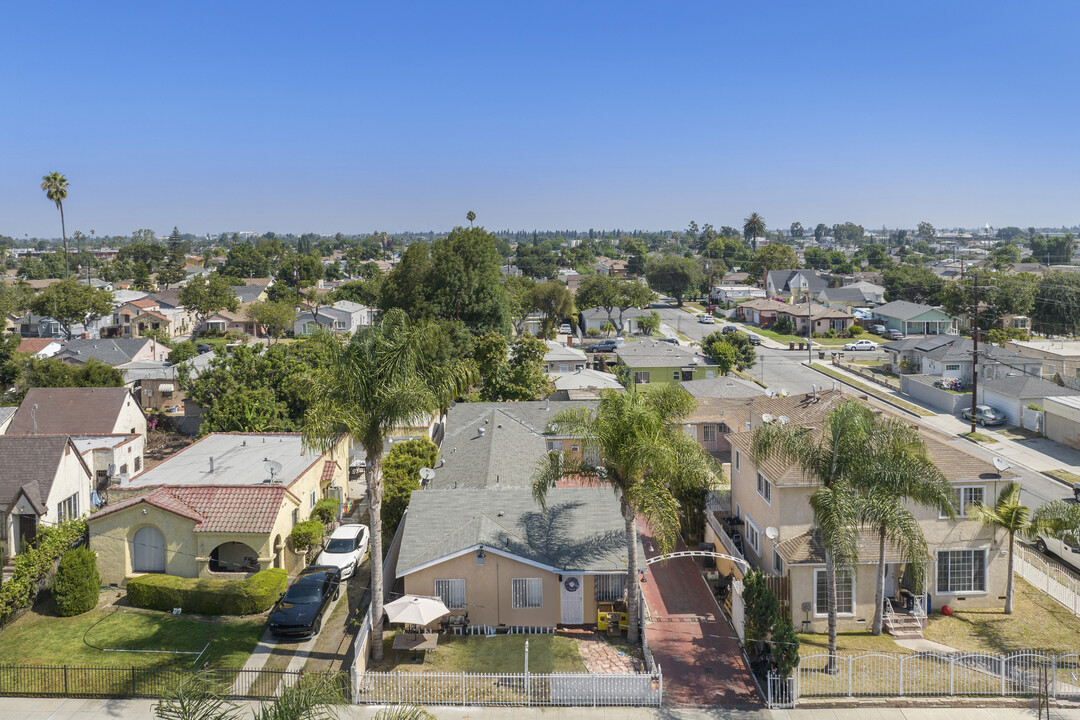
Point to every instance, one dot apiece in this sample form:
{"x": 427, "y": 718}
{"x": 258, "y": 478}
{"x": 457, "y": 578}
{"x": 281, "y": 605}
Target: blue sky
{"x": 356, "y": 117}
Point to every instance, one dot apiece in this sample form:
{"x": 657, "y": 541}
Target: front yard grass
{"x": 479, "y": 654}
{"x": 1037, "y": 622}
{"x": 773, "y": 335}
{"x": 863, "y": 387}
{"x": 40, "y": 638}
{"x": 848, "y": 643}
{"x": 1069, "y": 477}
{"x": 978, "y": 437}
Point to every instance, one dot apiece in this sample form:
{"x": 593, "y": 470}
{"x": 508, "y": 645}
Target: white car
{"x": 706, "y": 319}
{"x": 1066, "y": 549}
{"x": 565, "y": 329}
{"x": 345, "y": 548}
{"x": 861, "y": 345}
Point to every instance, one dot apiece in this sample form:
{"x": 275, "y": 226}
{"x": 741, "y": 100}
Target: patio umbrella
{"x": 415, "y": 610}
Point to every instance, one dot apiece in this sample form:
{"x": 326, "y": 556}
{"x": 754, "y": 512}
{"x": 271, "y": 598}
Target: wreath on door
{"x": 571, "y": 584}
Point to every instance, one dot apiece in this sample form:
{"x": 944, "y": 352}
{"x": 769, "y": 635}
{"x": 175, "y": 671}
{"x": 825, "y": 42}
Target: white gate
{"x": 738, "y": 611}
{"x": 572, "y": 600}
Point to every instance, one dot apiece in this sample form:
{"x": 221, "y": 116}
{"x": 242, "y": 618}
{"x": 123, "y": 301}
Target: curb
{"x": 863, "y": 392}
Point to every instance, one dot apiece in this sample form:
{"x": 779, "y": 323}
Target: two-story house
{"x": 343, "y": 317}
{"x": 795, "y": 284}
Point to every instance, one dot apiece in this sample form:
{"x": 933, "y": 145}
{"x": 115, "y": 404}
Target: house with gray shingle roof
{"x": 950, "y": 356}
{"x": 915, "y": 318}
{"x": 653, "y": 362}
{"x": 500, "y": 557}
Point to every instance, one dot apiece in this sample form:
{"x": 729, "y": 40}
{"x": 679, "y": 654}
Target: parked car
{"x": 606, "y": 345}
{"x": 299, "y": 611}
{"x": 895, "y": 334}
{"x": 671, "y": 341}
{"x": 877, "y": 329}
{"x": 565, "y": 329}
{"x": 754, "y": 339}
{"x": 1066, "y": 548}
{"x": 985, "y": 415}
{"x": 711, "y": 308}
{"x": 861, "y": 345}
{"x": 729, "y": 329}
{"x": 345, "y": 549}
{"x": 203, "y": 348}
{"x": 706, "y": 319}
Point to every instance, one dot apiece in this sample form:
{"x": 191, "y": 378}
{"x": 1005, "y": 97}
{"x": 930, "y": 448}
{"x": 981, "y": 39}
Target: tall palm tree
{"x": 470, "y": 216}
{"x": 382, "y": 377}
{"x": 753, "y": 228}
{"x": 898, "y": 473}
{"x": 832, "y": 457}
{"x": 633, "y": 443}
{"x": 55, "y": 186}
{"x": 1010, "y": 515}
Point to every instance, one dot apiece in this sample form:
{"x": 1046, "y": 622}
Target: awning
{"x": 166, "y": 387}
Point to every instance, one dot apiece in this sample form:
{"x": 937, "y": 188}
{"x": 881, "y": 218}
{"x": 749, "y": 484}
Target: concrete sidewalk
{"x": 46, "y": 709}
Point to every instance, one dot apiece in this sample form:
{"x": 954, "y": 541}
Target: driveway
{"x": 690, "y": 639}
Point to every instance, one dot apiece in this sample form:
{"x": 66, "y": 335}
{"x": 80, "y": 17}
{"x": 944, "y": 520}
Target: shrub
{"x": 1033, "y": 406}
{"x": 325, "y": 511}
{"x": 20, "y": 590}
{"x": 593, "y": 332}
{"x": 401, "y": 475}
{"x": 209, "y": 596}
{"x": 785, "y": 648}
{"x": 784, "y": 326}
{"x": 762, "y": 610}
{"x": 306, "y": 536}
{"x": 855, "y": 331}
{"x": 76, "y": 586}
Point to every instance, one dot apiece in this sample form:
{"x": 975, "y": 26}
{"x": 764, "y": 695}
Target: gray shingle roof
{"x": 110, "y": 352}
{"x": 904, "y": 310}
{"x": 30, "y": 462}
{"x": 782, "y": 279}
{"x": 722, "y": 387}
{"x": 76, "y": 411}
{"x": 1025, "y": 386}
{"x": 653, "y": 353}
{"x": 581, "y": 529}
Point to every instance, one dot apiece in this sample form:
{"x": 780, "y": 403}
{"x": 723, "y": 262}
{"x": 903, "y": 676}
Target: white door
{"x": 890, "y": 580}
{"x": 572, "y": 600}
{"x": 148, "y": 550}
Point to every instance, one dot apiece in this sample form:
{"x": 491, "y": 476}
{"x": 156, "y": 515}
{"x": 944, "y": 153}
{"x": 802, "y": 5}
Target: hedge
{"x": 209, "y": 596}
{"x": 77, "y": 583}
{"x": 33, "y": 564}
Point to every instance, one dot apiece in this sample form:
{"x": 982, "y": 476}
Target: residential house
{"x": 725, "y": 294}
{"x": 115, "y": 352}
{"x": 223, "y": 505}
{"x": 915, "y": 318}
{"x": 1061, "y": 420}
{"x": 1060, "y": 358}
{"x": 795, "y": 284}
{"x": 343, "y": 317}
{"x": 950, "y": 356}
{"x": 228, "y": 321}
{"x": 44, "y": 347}
{"x": 157, "y": 386}
{"x": 651, "y": 362}
{"x": 43, "y": 480}
{"x": 823, "y": 319}
{"x": 253, "y": 289}
{"x": 968, "y": 565}
{"x": 78, "y": 411}
{"x": 762, "y": 313}
{"x": 1015, "y": 391}
{"x": 498, "y": 556}
{"x": 596, "y": 317}
{"x": 722, "y": 386}
{"x": 584, "y": 384}
{"x": 561, "y": 358}
{"x": 607, "y": 266}
{"x": 715, "y": 418}
{"x": 858, "y": 294}
{"x": 111, "y": 457}
{"x": 735, "y": 278}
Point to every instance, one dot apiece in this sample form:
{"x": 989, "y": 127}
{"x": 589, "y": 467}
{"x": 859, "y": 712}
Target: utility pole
{"x": 975, "y": 352}
{"x": 809, "y": 330}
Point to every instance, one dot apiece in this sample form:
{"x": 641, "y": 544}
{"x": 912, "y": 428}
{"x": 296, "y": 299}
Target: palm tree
{"x": 195, "y": 697}
{"x": 55, "y": 186}
{"x": 899, "y": 472}
{"x": 832, "y": 457}
{"x": 753, "y": 228}
{"x": 470, "y": 216}
{"x": 1009, "y": 515}
{"x": 633, "y": 443}
{"x": 382, "y": 378}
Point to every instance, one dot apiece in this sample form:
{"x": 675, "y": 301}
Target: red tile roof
{"x": 35, "y": 345}
{"x": 328, "y": 469}
{"x": 214, "y": 508}
{"x": 143, "y": 303}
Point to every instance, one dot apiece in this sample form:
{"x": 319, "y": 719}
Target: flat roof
{"x": 1064, "y": 348}
{"x": 86, "y": 443}
{"x": 238, "y": 459}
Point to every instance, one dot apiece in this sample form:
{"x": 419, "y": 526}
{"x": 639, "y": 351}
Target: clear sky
{"x": 358, "y": 116}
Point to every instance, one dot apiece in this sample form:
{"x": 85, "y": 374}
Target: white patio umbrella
{"x": 415, "y": 610}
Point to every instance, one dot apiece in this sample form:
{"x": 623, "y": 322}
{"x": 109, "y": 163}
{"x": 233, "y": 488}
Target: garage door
{"x": 1009, "y": 406}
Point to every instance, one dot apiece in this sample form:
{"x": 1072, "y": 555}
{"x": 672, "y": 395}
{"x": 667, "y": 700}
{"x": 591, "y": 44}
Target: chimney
{"x": 211, "y": 466}
{"x": 815, "y": 392}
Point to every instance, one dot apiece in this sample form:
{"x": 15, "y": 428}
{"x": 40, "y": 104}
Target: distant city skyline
{"x": 356, "y": 117}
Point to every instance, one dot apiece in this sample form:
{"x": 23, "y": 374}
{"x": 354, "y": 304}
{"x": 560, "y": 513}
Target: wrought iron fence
{"x": 1053, "y": 579}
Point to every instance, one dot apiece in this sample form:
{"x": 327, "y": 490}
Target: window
{"x": 123, "y": 469}
{"x": 138, "y": 464}
{"x": 451, "y": 592}
{"x": 166, "y": 393}
{"x": 579, "y": 366}
{"x": 528, "y": 593}
{"x": 312, "y": 499}
{"x": 952, "y": 367}
{"x": 738, "y": 457}
{"x": 675, "y": 375}
{"x": 753, "y": 534}
{"x": 710, "y": 374}
{"x": 68, "y": 509}
{"x": 610, "y": 588}
{"x": 564, "y": 367}
{"x": 964, "y": 495}
{"x": 708, "y": 433}
{"x": 961, "y": 571}
{"x": 777, "y": 563}
{"x": 641, "y": 377}
{"x": 845, "y": 593}
{"x": 554, "y": 446}
{"x": 574, "y": 448}
{"x": 764, "y": 488}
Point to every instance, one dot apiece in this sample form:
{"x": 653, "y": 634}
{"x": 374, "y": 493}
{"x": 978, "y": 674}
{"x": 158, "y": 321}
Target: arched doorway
{"x": 233, "y": 557}
{"x": 279, "y": 547}
{"x": 148, "y": 550}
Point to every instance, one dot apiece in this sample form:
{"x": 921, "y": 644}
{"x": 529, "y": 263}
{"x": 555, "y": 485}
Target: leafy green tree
{"x": 647, "y": 460}
{"x": 245, "y": 261}
{"x": 1004, "y": 256}
{"x": 77, "y": 583}
{"x": 171, "y": 273}
{"x": 730, "y": 350}
{"x": 613, "y": 294}
{"x": 55, "y": 186}
{"x": 1056, "y": 309}
{"x": 382, "y": 378}
{"x": 831, "y": 458}
{"x": 207, "y": 295}
{"x": 797, "y": 230}
{"x": 275, "y": 318}
{"x": 466, "y": 282}
{"x": 535, "y": 261}
{"x": 914, "y": 283}
{"x": 753, "y": 228}
{"x": 519, "y": 299}
{"x": 773, "y": 257}
{"x": 926, "y": 232}
{"x": 401, "y": 476}
{"x": 554, "y": 302}
{"x": 511, "y": 372}
{"x": 50, "y": 372}
{"x": 297, "y": 272}
{"x": 762, "y": 610}
{"x": 785, "y": 648}
{"x": 365, "y": 292}
{"x": 650, "y": 323}
{"x": 70, "y": 302}
{"x": 998, "y": 293}
{"x": 819, "y": 232}
{"x": 182, "y": 352}
{"x": 674, "y": 276}
{"x": 1010, "y": 515}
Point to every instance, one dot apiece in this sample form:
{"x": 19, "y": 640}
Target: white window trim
{"x": 676, "y": 375}
{"x": 642, "y": 377}
{"x": 825, "y": 612}
{"x": 514, "y": 597}
{"x": 450, "y": 592}
{"x": 756, "y": 547}
{"x": 738, "y": 457}
{"x": 777, "y": 562}
{"x": 312, "y": 499}
{"x": 769, "y": 485}
{"x": 960, "y": 511}
{"x": 986, "y": 571}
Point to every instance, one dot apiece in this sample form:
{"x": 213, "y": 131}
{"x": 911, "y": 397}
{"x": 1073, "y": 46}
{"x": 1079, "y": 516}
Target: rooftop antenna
{"x": 273, "y": 467}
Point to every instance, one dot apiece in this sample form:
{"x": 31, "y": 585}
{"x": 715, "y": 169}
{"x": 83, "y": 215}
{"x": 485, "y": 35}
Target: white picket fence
{"x": 931, "y": 674}
{"x": 511, "y": 689}
{"x": 1051, "y": 578}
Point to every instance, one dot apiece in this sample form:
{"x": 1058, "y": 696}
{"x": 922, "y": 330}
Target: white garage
{"x": 1063, "y": 420}
{"x": 1013, "y": 393}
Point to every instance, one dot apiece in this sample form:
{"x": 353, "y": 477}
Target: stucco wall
{"x": 130, "y": 418}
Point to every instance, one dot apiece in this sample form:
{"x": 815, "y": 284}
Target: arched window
{"x": 148, "y": 550}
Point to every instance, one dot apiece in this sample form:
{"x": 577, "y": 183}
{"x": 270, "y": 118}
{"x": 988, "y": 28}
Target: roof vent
{"x": 211, "y": 466}
{"x": 480, "y": 432}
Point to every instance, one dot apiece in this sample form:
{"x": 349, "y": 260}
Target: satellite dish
{"x": 427, "y": 474}
{"x": 784, "y": 419}
{"x": 772, "y": 533}
{"x": 273, "y": 467}
{"x": 112, "y": 470}
{"x": 1001, "y": 464}
{"x": 770, "y": 392}
{"x": 766, "y": 417}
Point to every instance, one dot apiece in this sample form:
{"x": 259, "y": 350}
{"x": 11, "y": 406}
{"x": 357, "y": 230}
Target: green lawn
{"x": 978, "y": 437}
{"x": 1065, "y": 475}
{"x": 848, "y": 642}
{"x": 1037, "y": 622}
{"x": 479, "y": 654}
{"x": 763, "y": 332}
{"x": 39, "y": 638}
{"x": 870, "y": 390}
{"x": 1019, "y": 433}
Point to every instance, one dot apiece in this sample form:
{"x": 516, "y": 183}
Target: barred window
{"x": 68, "y": 509}
{"x": 961, "y": 571}
{"x": 708, "y": 433}
{"x": 845, "y": 592}
{"x": 641, "y": 377}
{"x": 451, "y": 592}
{"x": 610, "y": 588}
{"x": 528, "y": 593}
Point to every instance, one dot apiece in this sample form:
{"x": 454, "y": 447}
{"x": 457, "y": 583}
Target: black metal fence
{"x": 123, "y": 682}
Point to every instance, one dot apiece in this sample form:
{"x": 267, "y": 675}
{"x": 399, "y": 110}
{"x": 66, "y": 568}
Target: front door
{"x": 890, "y": 580}
{"x": 572, "y": 600}
{"x": 27, "y": 531}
